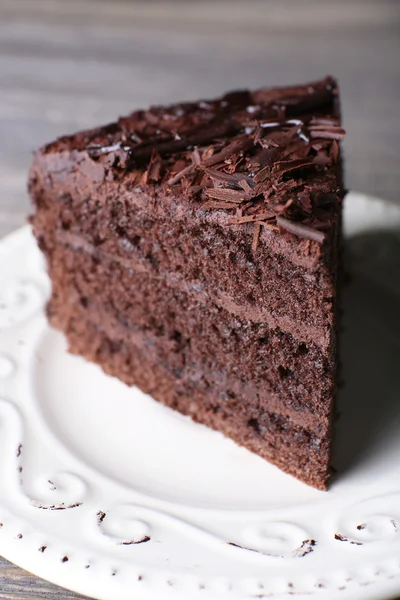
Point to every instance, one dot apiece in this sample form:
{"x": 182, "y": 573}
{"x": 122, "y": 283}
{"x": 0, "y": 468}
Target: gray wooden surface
{"x": 66, "y": 65}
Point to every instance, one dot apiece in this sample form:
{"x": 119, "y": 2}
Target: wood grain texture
{"x": 16, "y": 584}
{"x": 70, "y": 65}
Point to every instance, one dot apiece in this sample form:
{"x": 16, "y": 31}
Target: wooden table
{"x": 66, "y": 65}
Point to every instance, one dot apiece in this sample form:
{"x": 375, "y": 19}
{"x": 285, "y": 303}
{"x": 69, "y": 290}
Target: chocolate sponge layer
{"x": 293, "y": 448}
{"x": 259, "y": 365}
{"x": 291, "y": 288}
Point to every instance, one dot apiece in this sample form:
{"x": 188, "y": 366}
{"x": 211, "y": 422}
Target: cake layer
{"x": 294, "y": 449}
{"x": 176, "y": 329}
{"x": 161, "y": 236}
{"x": 203, "y": 292}
{"x": 229, "y": 388}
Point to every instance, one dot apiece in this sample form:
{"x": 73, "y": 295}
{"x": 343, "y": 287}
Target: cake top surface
{"x": 269, "y": 156}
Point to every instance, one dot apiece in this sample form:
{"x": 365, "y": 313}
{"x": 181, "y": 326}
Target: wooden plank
{"x": 254, "y": 14}
{"x": 16, "y": 584}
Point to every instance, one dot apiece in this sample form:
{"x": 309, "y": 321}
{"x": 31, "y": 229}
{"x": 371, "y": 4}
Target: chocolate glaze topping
{"x": 267, "y": 157}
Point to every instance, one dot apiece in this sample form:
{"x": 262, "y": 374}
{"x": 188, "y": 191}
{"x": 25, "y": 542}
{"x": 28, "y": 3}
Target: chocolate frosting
{"x": 268, "y": 157}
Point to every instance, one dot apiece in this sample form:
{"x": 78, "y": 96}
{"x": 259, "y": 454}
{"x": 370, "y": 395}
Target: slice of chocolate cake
{"x": 193, "y": 252}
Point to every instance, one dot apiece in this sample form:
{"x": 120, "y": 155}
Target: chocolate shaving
{"x": 261, "y": 216}
{"x": 334, "y": 151}
{"x": 286, "y": 166}
{"x": 232, "y": 165}
{"x": 246, "y": 204}
{"x": 256, "y": 235}
{"x": 320, "y": 144}
{"x": 279, "y": 189}
{"x": 262, "y": 175}
{"x": 267, "y": 143}
{"x": 154, "y": 168}
{"x": 283, "y": 208}
{"x": 201, "y": 178}
{"x": 226, "y": 195}
{"x": 297, "y": 148}
{"x": 328, "y": 133}
{"x": 196, "y": 158}
{"x": 239, "y": 145}
{"x": 301, "y": 230}
{"x": 217, "y": 205}
{"x": 232, "y": 179}
{"x": 254, "y": 208}
{"x": 245, "y": 185}
{"x": 170, "y": 145}
{"x": 208, "y": 152}
{"x": 135, "y": 137}
{"x": 305, "y": 201}
{"x": 176, "y": 178}
{"x": 258, "y": 134}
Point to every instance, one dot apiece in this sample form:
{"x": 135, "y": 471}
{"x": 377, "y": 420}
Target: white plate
{"x": 108, "y": 493}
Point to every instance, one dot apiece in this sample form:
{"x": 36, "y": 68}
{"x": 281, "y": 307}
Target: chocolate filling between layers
{"x": 276, "y": 291}
{"x": 175, "y": 328}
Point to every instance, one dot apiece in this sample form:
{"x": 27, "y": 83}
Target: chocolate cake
{"x": 193, "y": 252}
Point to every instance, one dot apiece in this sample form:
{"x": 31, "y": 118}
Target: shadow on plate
{"x": 369, "y": 402}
